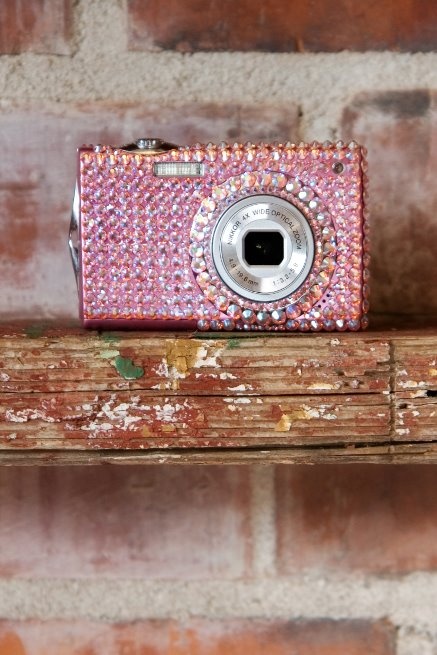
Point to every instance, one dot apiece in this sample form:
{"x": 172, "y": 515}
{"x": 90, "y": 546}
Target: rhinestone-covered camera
{"x": 221, "y": 237}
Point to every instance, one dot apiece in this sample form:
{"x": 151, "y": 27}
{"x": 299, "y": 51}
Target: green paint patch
{"x": 234, "y": 343}
{"x": 108, "y": 337}
{"x": 36, "y": 330}
{"x": 127, "y": 369}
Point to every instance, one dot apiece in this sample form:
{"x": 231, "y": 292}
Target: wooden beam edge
{"x": 388, "y": 453}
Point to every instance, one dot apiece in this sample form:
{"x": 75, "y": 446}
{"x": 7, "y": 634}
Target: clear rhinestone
{"x": 263, "y": 318}
{"x": 234, "y": 311}
{"x": 278, "y": 316}
{"x": 248, "y": 316}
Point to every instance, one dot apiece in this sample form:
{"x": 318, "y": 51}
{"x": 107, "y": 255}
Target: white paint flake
{"x": 421, "y": 393}
{"x": 167, "y": 413}
{"x": 207, "y": 356}
{"x": 121, "y": 416}
{"x": 226, "y": 376}
{"x": 25, "y": 415}
{"x": 320, "y": 386}
{"x": 241, "y": 387}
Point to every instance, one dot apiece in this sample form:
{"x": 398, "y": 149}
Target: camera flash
{"x": 178, "y": 169}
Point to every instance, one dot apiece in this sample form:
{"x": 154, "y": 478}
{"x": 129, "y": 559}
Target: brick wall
{"x": 205, "y": 561}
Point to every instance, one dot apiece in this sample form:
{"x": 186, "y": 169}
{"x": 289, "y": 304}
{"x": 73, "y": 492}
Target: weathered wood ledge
{"x": 70, "y": 396}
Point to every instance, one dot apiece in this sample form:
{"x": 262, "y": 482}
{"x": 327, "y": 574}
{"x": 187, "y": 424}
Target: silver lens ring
{"x": 247, "y": 225}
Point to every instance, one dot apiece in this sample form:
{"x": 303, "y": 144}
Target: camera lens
{"x": 262, "y": 248}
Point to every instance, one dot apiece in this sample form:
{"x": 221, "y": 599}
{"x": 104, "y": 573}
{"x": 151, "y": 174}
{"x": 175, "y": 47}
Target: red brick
{"x": 37, "y": 173}
{"x": 400, "y": 130}
{"x": 378, "y": 519}
{"x": 42, "y": 26}
{"x": 197, "y": 637}
{"x": 279, "y": 26}
{"x": 159, "y": 522}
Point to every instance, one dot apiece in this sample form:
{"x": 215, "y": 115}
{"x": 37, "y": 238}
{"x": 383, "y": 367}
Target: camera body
{"x": 254, "y": 237}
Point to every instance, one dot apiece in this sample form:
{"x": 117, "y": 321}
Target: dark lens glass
{"x": 263, "y": 248}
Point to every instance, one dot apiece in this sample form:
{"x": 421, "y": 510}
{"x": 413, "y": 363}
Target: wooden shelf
{"x": 79, "y": 397}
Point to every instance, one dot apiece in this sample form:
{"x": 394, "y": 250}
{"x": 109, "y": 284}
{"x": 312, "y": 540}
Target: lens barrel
{"x": 263, "y": 247}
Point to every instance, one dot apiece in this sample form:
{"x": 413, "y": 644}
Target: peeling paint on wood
{"x": 284, "y": 424}
{"x": 416, "y": 389}
{"x": 184, "y": 355}
{"x": 74, "y": 389}
{"x": 233, "y": 343}
{"x": 127, "y": 369}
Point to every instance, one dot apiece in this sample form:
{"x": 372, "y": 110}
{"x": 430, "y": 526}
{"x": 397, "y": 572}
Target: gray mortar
{"x": 413, "y": 642}
{"x": 409, "y": 601}
{"x": 263, "y": 520}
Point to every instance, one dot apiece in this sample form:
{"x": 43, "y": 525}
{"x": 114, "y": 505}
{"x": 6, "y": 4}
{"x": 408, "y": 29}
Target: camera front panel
{"x": 212, "y": 237}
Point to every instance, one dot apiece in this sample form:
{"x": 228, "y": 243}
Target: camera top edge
{"x": 156, "y": 146}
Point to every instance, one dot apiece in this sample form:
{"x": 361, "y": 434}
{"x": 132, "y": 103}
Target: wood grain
{"x": 416, "y": 389}
{"x": 224, "y": 398}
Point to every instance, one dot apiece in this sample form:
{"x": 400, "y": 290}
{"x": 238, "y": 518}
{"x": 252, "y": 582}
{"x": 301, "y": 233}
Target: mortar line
{"x": 263, "y": 519}
{"x": 406, "y": 601}
{"x": 56, "y": 77}
{"x": 410, "y": 641}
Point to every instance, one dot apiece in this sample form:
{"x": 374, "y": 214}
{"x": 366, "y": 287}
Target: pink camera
{"x": 221, "y": 237}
